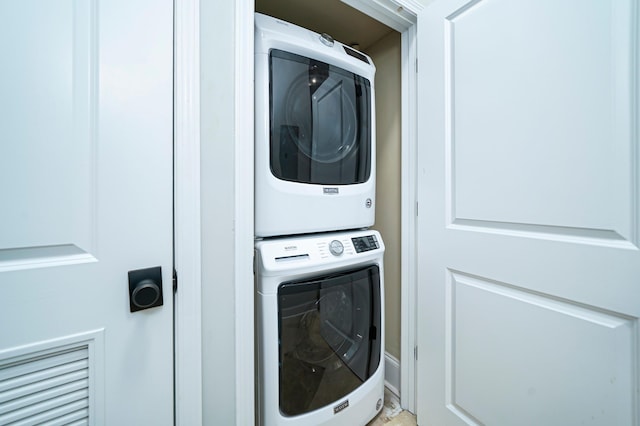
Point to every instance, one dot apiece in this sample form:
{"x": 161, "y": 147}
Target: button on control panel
{"x": 367, "y": 243}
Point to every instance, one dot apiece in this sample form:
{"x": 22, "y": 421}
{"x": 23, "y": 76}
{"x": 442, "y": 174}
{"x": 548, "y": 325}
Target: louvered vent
{"x": 46, "y": 389}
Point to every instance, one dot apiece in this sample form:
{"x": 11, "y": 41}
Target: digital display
{"x": 367, "y": 243}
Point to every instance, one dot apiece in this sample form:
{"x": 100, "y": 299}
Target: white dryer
{"x": 320, "y": 329}
{"x": 315, "y": 135}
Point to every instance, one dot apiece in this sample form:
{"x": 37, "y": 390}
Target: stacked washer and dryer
{"x": 319, "y": 270}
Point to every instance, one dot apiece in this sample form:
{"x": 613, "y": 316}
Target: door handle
{"x": 145, "y": 288}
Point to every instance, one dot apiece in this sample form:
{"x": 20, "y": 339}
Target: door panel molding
{"x": 497, "y": 113}
{"x": 42, "y": 257}
{"x": 594, "y": 353}
{"x": 598, "y": 237}
{"x": 52, "y": 178}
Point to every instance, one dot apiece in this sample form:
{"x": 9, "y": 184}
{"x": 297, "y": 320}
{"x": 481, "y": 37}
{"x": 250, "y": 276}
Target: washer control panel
{"x": 366, "y": 243}
{"x": 310, "y": 251}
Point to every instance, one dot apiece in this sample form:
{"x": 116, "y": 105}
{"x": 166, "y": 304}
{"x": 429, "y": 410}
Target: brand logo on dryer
{"x": 330, "y": 191}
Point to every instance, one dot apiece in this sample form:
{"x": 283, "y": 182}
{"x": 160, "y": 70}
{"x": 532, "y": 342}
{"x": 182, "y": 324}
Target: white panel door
{"x": 529, "y": 218}
{"x": 86, "y": 184}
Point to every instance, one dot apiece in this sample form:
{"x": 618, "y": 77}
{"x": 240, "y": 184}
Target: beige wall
{"x": 386, "y": 56}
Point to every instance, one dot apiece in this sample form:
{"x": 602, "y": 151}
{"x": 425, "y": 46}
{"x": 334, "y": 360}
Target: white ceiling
{"x": 340, "y": 21}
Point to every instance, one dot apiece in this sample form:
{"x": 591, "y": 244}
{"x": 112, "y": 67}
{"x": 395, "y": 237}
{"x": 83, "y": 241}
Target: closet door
{"x": 86, "y": 172}
{"x": 529, "y": 192}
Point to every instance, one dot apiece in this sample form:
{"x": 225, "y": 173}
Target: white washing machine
{"x": 320, "y": 333}
{"x": 315, "y": 134}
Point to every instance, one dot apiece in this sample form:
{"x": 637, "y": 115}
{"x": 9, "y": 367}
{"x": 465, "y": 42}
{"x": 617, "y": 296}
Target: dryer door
{"x": 320, "y": 122}
{"x": 329, "y": 334}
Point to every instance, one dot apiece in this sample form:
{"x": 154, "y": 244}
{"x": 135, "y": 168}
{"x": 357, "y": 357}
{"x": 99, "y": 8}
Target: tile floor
{"x": 392, "y": 414}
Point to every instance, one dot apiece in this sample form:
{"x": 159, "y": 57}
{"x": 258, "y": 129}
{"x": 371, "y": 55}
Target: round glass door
{"x": 320, "y": 117}
{"x": 329, "y": 335}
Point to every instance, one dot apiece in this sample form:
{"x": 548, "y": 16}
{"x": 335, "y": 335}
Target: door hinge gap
{"x": 175, "y": 281}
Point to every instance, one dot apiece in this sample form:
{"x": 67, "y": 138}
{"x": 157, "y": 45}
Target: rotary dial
{"x": 336, "y": 248}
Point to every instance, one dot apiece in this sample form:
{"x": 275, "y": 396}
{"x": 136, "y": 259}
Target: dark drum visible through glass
{"x": 320, "y": 122}
{"x": 329, "y": 334}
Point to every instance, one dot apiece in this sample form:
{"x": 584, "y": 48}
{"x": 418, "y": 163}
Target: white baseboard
{"x": 392, "y": 374}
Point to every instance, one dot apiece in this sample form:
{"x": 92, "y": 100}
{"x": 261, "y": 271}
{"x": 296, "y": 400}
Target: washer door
{"x": 329, "y": 334}
{"x": 320, "y": 119}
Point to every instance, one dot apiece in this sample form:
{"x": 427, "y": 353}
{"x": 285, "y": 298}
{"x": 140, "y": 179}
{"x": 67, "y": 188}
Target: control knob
{"x": 336, "y": 248}
{"x": 326, "y": 39}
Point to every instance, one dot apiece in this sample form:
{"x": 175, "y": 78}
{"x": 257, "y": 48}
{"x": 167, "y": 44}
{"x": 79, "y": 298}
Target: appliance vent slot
{"x": 49, "y": 388}
{"x": 355, "y": 54}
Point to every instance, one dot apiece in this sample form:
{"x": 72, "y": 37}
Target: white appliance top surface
{"x": 334, "y": 249}
{"x": 276, "y": 33}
